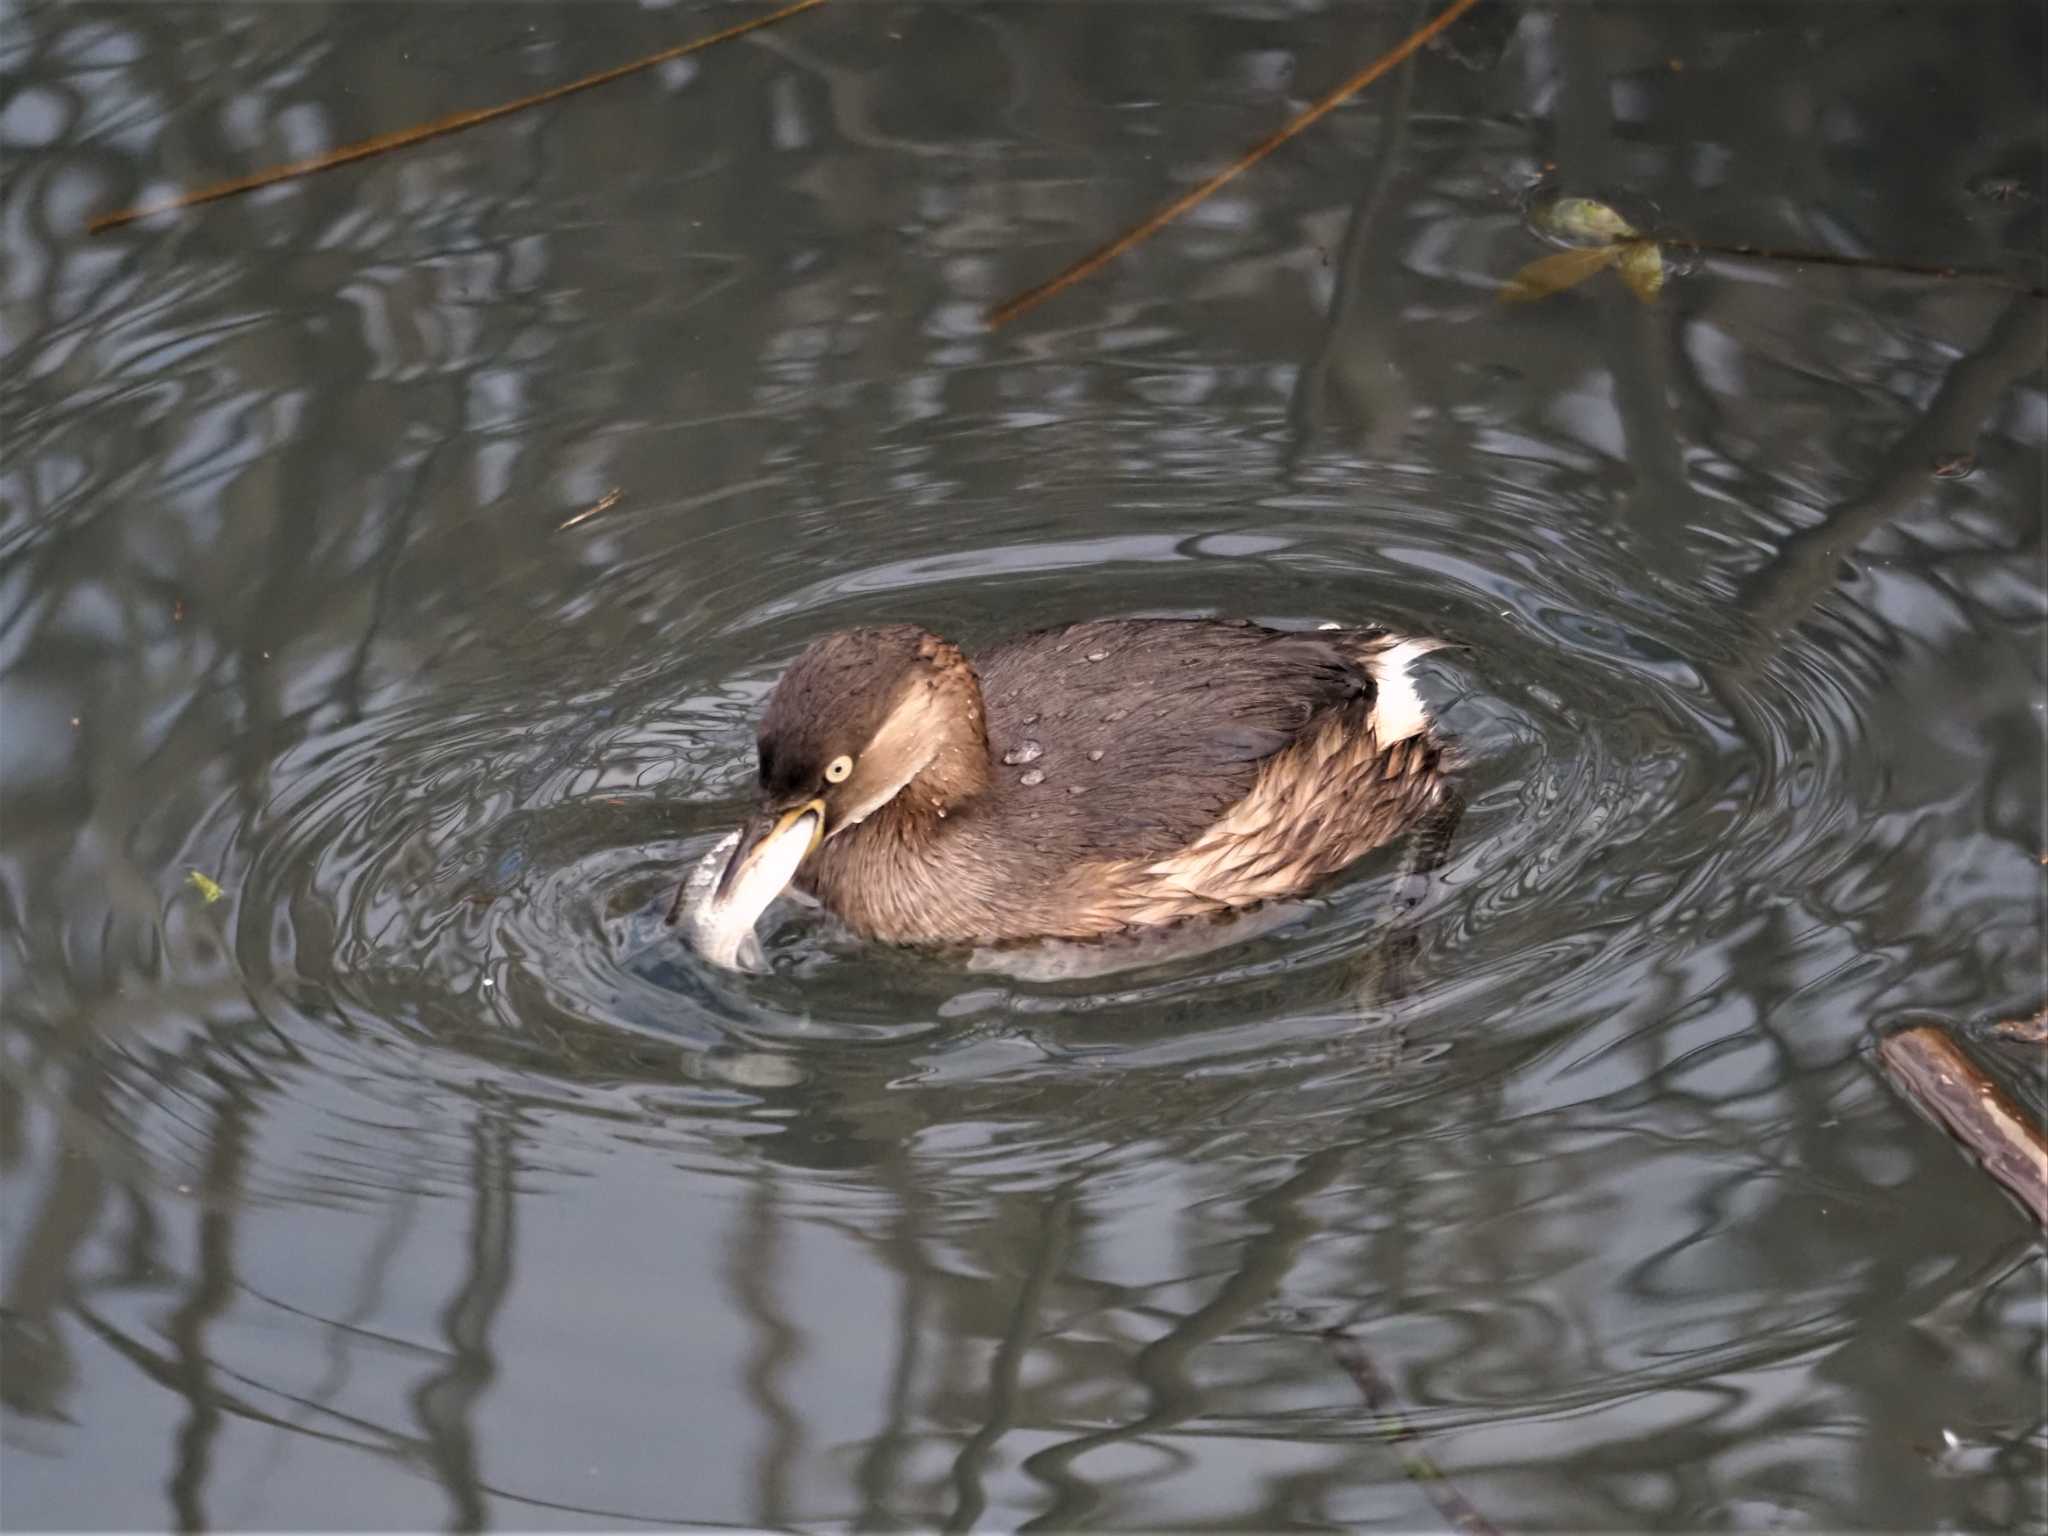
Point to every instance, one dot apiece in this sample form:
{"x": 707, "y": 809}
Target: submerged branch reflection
{"x": 753, "y": 1279}
{"x": 879, "y": 1469}
{"x": 1264, "y": 1262}
{"x": 1808, "y": 564}
{"x": 42, "y": 1271}
{"x": 1050, "y": 1255}
{"x": 213, "y": 1285}
{"x": 445, "y": 1401}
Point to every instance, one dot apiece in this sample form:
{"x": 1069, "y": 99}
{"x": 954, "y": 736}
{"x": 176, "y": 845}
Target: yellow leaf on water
{"x": 1587, "y": 221}
{"x": 1642, "y": 268}
{"x": 209, "y": 890}
{"x": 1558, "y": 271}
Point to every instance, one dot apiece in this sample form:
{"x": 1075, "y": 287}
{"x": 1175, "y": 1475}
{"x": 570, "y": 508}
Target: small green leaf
{"x": 1642, "y": 268}
{"x": 1587, "y": 222}
{"x": 1556, "y": 272}
{"x": 209, "y": 890}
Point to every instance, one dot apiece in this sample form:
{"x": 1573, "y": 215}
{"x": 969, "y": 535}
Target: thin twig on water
{"x": 1740, "y": 251}
{"x": 1379, "y": 1397}
{"x": 1031, "y": 298}
{"x": 404, "y": 138}
{"x": 1597, "y": 237}
{"x": 604, "y": 503}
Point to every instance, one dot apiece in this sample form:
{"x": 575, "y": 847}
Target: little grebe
{"x": 1078, "y": 781}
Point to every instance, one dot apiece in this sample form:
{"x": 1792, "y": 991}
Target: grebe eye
{"x": 838, "y": 770}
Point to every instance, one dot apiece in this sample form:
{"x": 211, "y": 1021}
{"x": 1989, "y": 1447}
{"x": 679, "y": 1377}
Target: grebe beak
{"x": 772, "y": 840}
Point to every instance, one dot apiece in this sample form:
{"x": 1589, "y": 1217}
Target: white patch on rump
{"x": 1399, "y": 712}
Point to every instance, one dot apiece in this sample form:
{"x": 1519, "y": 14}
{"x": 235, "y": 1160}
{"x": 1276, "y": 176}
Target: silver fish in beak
{"x": 732, "y": 886}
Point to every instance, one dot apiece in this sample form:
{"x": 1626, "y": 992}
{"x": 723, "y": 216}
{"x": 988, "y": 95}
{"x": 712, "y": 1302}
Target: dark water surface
{"x": 424, "y": 1180}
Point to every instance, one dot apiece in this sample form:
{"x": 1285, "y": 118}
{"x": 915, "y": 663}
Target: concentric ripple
{"x": 393, "y": 563}
{"x": 495, "y": 865}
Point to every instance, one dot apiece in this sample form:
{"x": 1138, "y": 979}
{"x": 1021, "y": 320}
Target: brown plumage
{"x": 1077, "y": 781}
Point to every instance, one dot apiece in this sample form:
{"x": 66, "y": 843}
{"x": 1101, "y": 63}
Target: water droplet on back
{"x": 1024, "y": 752}
{"x": 1031, "y": 776}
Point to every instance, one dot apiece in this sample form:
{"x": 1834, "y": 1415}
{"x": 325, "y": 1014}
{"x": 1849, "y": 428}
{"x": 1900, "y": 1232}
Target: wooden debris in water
{"x": 604, "y": 503}
{"x": 1947, "y": 272}
{"x": 1031, "y": 298}
{"x": 405, "y": 138}
{"x": 1932, "y": 1070}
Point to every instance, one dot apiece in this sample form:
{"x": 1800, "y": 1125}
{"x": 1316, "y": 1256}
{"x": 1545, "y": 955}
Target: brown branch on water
{"x": 1740, "y": 251}
{"x": 404, "y": 138}
{"x": 1929, "y": 1068}
{"x": 1031, "y": 298}
{"x": 604, "y": 503}
{"x": 1379, "y": 1397}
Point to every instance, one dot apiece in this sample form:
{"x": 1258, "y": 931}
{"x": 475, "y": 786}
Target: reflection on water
{"x": 424, "y": 1178}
